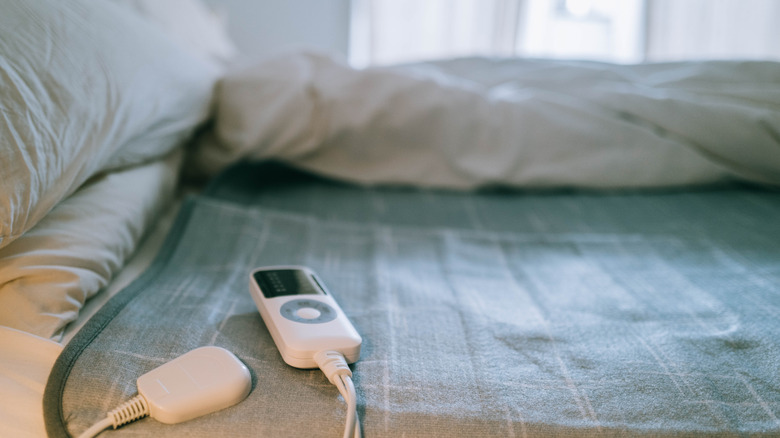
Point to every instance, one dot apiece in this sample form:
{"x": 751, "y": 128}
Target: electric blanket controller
{"x": 302, "y": 317}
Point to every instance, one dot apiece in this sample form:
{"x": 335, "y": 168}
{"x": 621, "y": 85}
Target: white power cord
{"x": 131, "y": 410}
{"x": 335, "y": 367}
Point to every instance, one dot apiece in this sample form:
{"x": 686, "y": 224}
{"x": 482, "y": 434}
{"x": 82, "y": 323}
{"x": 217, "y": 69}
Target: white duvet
{"x": 530, "y": 123}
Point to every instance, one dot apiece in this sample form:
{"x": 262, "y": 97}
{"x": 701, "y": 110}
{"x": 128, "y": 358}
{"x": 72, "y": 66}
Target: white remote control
{"x": 301, "y": 315}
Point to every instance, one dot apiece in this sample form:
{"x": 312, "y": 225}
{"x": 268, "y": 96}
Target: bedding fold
{"x": 474, "y": 122}
{"x": 48, "y": 274}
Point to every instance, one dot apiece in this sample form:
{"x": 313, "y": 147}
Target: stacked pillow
{"x": 86, "y": 88}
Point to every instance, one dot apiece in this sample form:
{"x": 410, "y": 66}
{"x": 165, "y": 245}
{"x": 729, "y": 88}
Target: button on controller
{"x": 307, "y": 311}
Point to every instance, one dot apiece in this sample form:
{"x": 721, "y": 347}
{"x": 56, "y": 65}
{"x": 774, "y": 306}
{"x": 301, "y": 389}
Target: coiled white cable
{"x": 131, "y": 410}
{"x": 335, "y": 367}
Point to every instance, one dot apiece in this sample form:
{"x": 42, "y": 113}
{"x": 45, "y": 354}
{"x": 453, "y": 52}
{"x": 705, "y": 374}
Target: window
{"x": 626, "y": 31}
{"x": 608, "y": 30}
{"x": 389, "y": 31}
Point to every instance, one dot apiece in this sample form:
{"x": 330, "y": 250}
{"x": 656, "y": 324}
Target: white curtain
{"x": 390, "y": 31}
{"x": 723, "y": 29}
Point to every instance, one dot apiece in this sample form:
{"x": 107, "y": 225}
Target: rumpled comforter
{"x": 473, "y": 122}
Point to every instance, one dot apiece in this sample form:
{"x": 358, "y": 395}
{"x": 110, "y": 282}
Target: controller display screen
{"x": 284, "y": 282}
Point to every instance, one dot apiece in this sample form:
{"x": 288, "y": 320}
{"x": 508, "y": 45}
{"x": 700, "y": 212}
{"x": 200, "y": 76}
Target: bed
{"x": 528, "y": 247}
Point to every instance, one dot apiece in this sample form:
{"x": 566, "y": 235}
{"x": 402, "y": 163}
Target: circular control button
{"x": 307, "y": 311}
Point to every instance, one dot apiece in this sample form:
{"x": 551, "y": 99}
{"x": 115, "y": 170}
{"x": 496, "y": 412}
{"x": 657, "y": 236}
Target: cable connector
{"x": 333, "y": 364}
{"x": 131, "y": 410}
{"x": 335, "y": 367}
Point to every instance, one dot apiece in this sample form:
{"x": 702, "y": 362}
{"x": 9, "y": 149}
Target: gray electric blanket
{"x": 489, "y": 314}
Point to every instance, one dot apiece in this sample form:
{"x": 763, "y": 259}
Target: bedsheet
{"x": 25, "y": 363}
{"x": 498, "y": 313}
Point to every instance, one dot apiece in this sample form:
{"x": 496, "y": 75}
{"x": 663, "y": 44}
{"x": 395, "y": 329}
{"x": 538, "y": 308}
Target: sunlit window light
{"x": 391, "y": 31}
{"x": 579, "y": 8}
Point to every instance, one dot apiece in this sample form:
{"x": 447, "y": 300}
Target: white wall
{"x": 263, "y": 27}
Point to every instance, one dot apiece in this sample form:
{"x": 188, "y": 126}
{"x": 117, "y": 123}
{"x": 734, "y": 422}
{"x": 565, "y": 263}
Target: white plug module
{"x": 196, "y": 383}
{"x": 204, "y": 380}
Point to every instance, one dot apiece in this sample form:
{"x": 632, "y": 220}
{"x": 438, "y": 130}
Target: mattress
{"x": 494, "y": 313}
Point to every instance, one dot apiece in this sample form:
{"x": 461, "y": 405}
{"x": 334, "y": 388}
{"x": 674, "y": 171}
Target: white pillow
{"x": 47, "y": 274}
{"x": 85, "y": 87}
